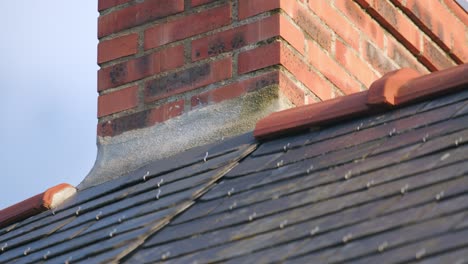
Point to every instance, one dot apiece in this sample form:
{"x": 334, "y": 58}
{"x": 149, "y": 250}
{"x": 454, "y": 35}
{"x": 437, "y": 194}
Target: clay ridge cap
{"x": 49, "y": 199}
{"x": 394, "y": 89}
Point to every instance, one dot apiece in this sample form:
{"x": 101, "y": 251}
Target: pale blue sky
{"x": 48, "y": 95}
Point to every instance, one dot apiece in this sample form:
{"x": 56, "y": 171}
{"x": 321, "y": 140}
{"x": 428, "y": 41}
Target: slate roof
{"x": 389, "y": 187}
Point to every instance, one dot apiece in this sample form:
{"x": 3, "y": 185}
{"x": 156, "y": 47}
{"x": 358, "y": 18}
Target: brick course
{"x": 162, "y": 58}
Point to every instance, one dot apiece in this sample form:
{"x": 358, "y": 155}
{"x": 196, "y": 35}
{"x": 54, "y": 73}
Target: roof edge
{"x": 394, "y": 89}
{"x": 49, "y": 199}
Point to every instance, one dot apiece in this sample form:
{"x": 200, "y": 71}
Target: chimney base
{"x": 131, "y": 150}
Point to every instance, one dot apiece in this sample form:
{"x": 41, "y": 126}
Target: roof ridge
{"x": 49, "y": 199}
{"x": 394, "y": 89}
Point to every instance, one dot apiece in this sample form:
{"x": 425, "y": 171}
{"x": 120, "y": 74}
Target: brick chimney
{"x": 177, "y": 74}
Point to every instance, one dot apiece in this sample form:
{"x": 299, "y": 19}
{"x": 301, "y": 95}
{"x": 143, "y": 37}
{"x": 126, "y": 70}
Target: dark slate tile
{"x": 457, "y": 256}
{"x": 35, "y": 246}
{"x": 420, "y": 250}
{"x": 446, "y": 100}
{"x": 159, "y": 196}
{"x": 118, "y": 240}
{"x": 463, "y": 111}
{"x": 324, "y": 204}
{"x": 453, "y": 140}
{"x": 250, "y": 165}
{"x": 37, "y": 234}
{"x": 359, "y": 247}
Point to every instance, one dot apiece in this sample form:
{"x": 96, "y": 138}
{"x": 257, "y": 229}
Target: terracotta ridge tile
{"x": 393, "y": 89}
{"x": 299, "y": 118}
{"x": 49, "y": 199}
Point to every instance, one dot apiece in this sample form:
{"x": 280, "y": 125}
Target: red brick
{"x": 137, "y": 14}
{"x": 336, "y": 22}
{"x": 289, "y": 88}
{"x": 140, "y": 119}
{"x": 235, "y": 89}
{"x": 235, "y": 38}
{"x": 435, "y": 16}
{"x": 402, "y": 57}
{"x": 435, "y": 57}
{"x": 139, "y": 68}
{"x": 117, "y": 101}
{"x": 399, "y": 25}
{"x": 248, "y": 8}
{"x": 355, "y": 65}
{"x": 376, "y": 58}
{"x": 277, "y": 53}
{"x": 310, "y": 24}
{"x": 260, "y": 57}
{"x": 291, "y": 34}
{"x": 118, "y": 47}
{"x": 105, "y": 4}
{"x": 362, "y": 20}
{"x": 188, "y": 79}
{"x": 304, "y": 73}
{"x": 200, "y": 2}
{"x": 187, "y": 26}
{"x": 457, "y": 10}
{"x": 334, "y": 72}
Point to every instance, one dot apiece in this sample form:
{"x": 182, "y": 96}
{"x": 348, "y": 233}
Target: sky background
{"x": 48, "y": 95}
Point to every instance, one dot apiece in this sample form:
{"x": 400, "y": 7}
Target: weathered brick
{"x": 235, "y": 38}
{"x": 117, "y": 101}
{"x": 140, "y": 119}
{"x": 137, "y": 14}
{"x": 334, "y": 72}
{"x": 200, "y": 2}
{"x": 290, "y": 89}
{"x": 305, "y": 74}
{"x": 139, "y": 68}
{"x": 457, "y": 10}
{"x": 435, "y": 57}
{"x": 377, "y": 59}
{"x": 260, "y": 57}
{"x": 336, "y": 22}
{"x": 399, "y": 25}
{"x": 235, "y": 89}
{"x": 402, "y": 57}
{"x": 188, "y": 79}
{"x": 311, "y": 25}
{"x": 187, "y": 26}
{"x": 248, "y": 8}
{"x": 277, "y": 53}
{"x": 117, "y": 47}
{"x": 355, "y": 65}
{"x": 275, "y": 25}
{"x": 362, "y": 20}
{"x": 105, "y": 4}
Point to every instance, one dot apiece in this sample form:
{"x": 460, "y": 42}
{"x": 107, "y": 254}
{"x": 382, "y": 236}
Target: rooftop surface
{"x": 388, "y": 185}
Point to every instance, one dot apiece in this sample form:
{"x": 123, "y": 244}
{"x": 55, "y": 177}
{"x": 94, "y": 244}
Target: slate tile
{"x": 325, "y": 207}
{"x": 81, "y": 253}
{"x": 463, "y": 111}
{"x": 52, "y": 239}
{"x": 151, "y": 194}
{"x": 420, "y": 250}
{"x": 359, "y": 247}
{"x": 445, "y": 100}
{"x": 250, "y": 165}
{"x": 455, "y": 256}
